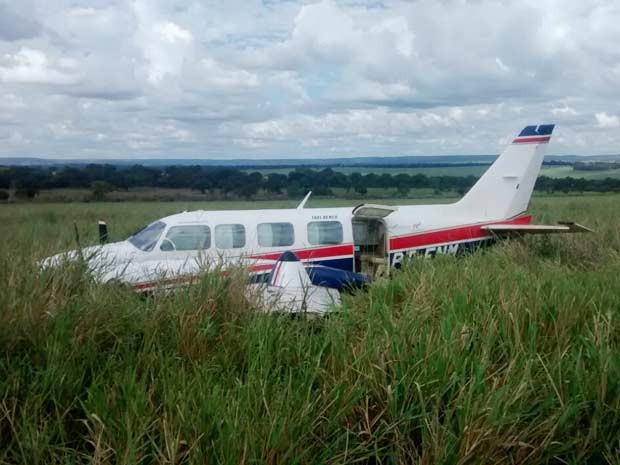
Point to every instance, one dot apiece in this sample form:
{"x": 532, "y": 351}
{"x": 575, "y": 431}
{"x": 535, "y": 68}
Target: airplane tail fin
{"x": 505, "y": 189}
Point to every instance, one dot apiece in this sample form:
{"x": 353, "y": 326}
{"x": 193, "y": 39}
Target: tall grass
{"x": 510, "y": 355}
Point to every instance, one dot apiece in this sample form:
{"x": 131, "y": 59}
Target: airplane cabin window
{"x": 229, "y": 236}
{"x": 146, "y": 238}
{"x": 275, "y": 234}
{"x": 324, "y": 232}
{"x": 186, "y": 237}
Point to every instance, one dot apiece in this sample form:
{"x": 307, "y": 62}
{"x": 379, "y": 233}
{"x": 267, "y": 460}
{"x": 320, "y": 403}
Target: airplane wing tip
{"x": 576, "y": 227}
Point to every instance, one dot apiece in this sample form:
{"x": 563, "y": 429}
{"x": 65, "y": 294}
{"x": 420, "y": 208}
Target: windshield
{"x": 146, "y": 239}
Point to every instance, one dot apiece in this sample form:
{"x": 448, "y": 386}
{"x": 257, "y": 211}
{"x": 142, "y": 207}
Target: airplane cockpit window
{"x": 146, "y": 238}
{"x": 229, "y": 236}
{"x": 275, "y": 234}
{"x": 324, "y": 232}
{"x": 186, "y": 237}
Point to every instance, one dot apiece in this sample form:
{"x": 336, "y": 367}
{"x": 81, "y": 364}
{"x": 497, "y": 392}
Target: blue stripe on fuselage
{"x": 454, "y": 248}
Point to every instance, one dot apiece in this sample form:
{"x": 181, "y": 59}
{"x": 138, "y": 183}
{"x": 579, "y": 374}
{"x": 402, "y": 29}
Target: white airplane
{"x": 337, "y": 246}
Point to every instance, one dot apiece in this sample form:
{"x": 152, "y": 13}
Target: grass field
{"x": 509, "y": 355}
{"x": 568, "y": 171}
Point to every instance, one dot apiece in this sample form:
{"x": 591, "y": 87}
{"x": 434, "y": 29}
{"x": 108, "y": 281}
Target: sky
{"x": 285, "y": 79}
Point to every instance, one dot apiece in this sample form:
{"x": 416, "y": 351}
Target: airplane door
{"x": 370, "y": 239}
{"x": 371, "y": 247}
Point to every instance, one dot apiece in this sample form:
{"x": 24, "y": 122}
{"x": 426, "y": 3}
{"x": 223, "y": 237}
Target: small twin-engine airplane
{"x": 337, "y": 246}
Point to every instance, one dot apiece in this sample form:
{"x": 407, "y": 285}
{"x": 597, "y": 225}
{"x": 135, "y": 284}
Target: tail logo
{"x": 539, "y": 134}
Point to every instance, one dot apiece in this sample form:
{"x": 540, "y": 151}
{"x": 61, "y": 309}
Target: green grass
{"x": 510, "y": 355}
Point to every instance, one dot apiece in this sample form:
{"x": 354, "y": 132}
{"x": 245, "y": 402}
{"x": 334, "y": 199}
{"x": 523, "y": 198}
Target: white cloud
{"x": 165, "y": 45}
{"x": 501, "y": 65}
{"x": 30, "y": 66}
{"x": 564, "y": 111}
{"x": 214, "y": 74}
{"x": 170, "y": 32}
{"x": 607, "y": 121}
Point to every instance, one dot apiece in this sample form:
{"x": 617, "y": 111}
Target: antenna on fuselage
{"x": 303, "y": 202}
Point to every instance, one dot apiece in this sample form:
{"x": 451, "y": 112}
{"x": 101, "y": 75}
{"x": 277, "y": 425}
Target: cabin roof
{"x": 265, "y": 215}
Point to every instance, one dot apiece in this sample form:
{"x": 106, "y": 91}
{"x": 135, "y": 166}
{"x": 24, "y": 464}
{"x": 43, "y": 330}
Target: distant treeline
{"x": 234, "y": 182}
{"x": 596, "y": 166}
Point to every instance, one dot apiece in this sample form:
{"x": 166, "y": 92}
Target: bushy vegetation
{"x": 27, "y": 182}
{"x": 510, "y": 355}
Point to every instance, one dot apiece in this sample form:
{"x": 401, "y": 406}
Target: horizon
{"x": 467, "y": 158}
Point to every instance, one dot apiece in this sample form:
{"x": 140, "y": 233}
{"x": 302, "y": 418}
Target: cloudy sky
{"x": 258, "y": 79}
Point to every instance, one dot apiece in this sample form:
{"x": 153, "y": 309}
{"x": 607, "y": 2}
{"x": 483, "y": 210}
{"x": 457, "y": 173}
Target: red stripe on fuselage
{"x": 303, "y": 254}
{"x": 255, "y": 268}
{"x": 461, "y": 233}
{"x": 525, "y": 140}
{"x": 309, "y": 254}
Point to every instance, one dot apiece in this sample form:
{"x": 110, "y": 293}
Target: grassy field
{"x": 509, "y": 355}
{"x": 568, "y": 171}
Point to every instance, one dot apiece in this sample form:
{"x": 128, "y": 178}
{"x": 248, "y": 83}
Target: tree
{"x": 27, "y": 192}
{"x": 249, "y": 184}
{"x": 275, "y": 182}
{"x": 360, "y": 189}
{"x": 294, "y": 190}
{"x": 402, "y": 182}
{"x": 99, "y": 190}
{"x": 403, "y": 190}
{"x": 5, "y": 179}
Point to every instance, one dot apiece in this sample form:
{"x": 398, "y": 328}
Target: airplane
{"x": 337, "y": 246}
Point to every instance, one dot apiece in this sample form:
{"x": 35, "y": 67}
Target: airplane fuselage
{"x": 342, "y": 238}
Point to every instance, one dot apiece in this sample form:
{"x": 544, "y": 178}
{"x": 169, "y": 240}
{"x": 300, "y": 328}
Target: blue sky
{"x": 252, "y": 79}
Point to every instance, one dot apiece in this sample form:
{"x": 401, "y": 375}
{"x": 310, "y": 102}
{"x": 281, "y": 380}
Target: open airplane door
{"x": 370, "y": 239}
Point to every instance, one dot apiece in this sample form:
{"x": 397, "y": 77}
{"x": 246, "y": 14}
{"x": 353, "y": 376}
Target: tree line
{"x": 233, "y": 182}
{"x": 596, "y": 166}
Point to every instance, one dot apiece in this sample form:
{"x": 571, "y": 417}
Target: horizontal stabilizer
{"x": 508, "y": 229}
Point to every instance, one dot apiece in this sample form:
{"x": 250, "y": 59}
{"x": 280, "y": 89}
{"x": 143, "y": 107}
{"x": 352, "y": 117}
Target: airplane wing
{"x": 520, "y": 229}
